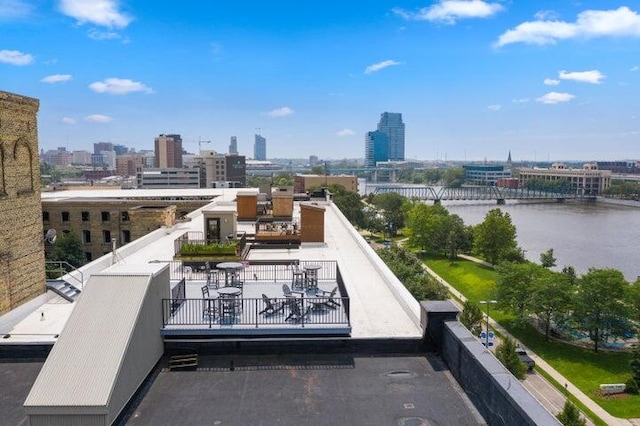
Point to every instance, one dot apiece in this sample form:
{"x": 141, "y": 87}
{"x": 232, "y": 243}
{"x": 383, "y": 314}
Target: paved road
{"x": 546, "y": 393}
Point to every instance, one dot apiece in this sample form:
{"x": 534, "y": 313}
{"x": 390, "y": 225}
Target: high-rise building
{"x": 102, "y": 146}
{"x": 233, "y": 146}
{"x": 260, "y": 148}
{"x": 168, "y": 151}
{"x": 391, "y": 124}
{"x": 376, "y": 148}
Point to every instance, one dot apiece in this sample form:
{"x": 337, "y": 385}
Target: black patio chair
{"x": 330, "y": 298}
{"x": 295, "y": 311}
{"x": 271, "y": 306}
{"x": 288, "y": 293}
{"x": 208, "y": 304}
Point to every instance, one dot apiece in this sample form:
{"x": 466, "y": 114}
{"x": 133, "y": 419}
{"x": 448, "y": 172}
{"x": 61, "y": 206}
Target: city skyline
{"x": 473, "y": 79}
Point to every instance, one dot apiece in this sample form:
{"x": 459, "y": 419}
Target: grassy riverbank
{"x": 584, "y": 368}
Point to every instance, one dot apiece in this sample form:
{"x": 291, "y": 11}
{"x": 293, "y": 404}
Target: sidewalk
{"x": 588, "y": 402}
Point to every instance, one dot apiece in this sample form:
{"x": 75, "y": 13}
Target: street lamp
{"x": 488, "y": 303}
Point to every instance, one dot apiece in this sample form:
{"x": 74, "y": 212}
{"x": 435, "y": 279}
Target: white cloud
{"x": 555, "y": 98}
{"x": 280, "y": 112}
{"x": 590, "y": 23}
{"x": 593, "y": 76}
{"x": 98, "y": 118}
{"x": 494, "y": 107}
{"x": 104, "y": 13}
{"x": 546, "y": 15}
{"x": 450, "y": 11}
{"x": 381, "y": 65}
{"x": 69, "y": 120}
{"x": 635, "y": 68}
{"x": 521, "y": 100}
{"x": 56, "y": 78}
{"x": 119, "y": 86}
{"x": 97, "y": 34}
{"x": 13, "y": 9}
{"x": 345, "y": 132}
{"x": 550, "y": 82}
{"x": 15, "y": 57}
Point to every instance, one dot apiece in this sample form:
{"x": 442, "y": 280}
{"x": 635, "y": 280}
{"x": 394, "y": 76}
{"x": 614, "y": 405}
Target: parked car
{"x": 525, "y": 358}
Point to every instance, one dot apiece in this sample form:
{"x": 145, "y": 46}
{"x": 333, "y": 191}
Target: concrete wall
{"x": 21, "y": 237}
{"x": 499, "y": 397}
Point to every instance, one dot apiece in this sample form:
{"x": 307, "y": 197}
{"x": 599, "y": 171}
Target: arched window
{"x": 23, "y": 157}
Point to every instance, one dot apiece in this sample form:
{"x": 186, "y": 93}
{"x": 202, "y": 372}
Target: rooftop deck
{"x": 379, "y": 305}
{"x": 199, "y": 307}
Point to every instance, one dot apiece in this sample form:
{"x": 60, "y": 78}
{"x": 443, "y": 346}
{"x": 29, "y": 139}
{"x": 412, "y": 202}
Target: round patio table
{"x": 230, "y": 270}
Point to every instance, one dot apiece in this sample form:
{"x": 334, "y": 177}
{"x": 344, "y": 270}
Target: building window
{"x": 45, "y": 216}
{"x": 86, "y": 237}
{"x": 126, "y": 236}
{"x": 125, "y": 216}
{"x": 87, "y": 255}
{"x": 85, "y": 216}
{"x": 106, "y": 216}
{"x": 65, "y": 216}
{"x": 106, "y": 236}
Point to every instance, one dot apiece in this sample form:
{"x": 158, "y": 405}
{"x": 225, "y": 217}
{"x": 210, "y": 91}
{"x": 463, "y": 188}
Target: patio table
{"x": 231, "y": 270}
{"x": 311, "y": 276}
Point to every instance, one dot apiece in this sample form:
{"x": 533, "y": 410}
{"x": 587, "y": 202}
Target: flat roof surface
{"x": 338, "y": 389}
{"x": 16, "y": 378}
{"x": 160, "y": 193}
{"x": 380, "y": 306}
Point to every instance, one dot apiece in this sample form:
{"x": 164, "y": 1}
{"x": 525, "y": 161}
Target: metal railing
{"x": 56, "y": 269}
{"x": 254, "y": 270}
{"x": 212, "y": 313}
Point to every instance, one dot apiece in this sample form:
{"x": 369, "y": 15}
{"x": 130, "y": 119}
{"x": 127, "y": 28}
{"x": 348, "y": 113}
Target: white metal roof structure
{"x": 108, "y": 346}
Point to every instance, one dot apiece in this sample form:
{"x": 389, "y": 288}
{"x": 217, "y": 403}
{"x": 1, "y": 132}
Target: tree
{"x": 634, "y": 300}
{"x": 408, "y": 268}
{"x": 471, "y": 317}
{"x": 515, "y": 287}
{"x": 547, "y": 260}
{"x": 570, "y": 415}
{"x": 426, "y": 226}
{"x": 457, "y": 236}
{"x": 317, "y": 170}
{"x": 391, "y": 205}
{"x": 599, "y": 303}
{"x": 495, "y": 238}
{"x": 551, "y": 296}
{"x": 453, "y": 177}
{"x": 635, "y": 365}
{"x": 507, "y": 355}
{"x": 68, "y": 247}
{"x": 350, "y": 205}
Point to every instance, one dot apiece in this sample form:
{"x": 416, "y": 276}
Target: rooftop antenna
{"x": 114, "y": 252}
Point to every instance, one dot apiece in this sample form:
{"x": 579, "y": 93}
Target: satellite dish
{"x": 50, "y": 236}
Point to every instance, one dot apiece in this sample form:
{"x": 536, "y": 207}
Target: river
{"x": 582, "y": 234}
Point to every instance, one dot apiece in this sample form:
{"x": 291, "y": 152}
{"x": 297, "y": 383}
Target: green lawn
{"x": 583, "y": 367}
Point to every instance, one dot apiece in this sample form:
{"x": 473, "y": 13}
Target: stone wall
{"x": 499, "y": 397}
{"x": 21, "y": 237}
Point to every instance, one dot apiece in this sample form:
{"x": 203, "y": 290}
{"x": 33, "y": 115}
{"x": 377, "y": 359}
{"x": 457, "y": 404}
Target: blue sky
{"x": 473, "y": 79}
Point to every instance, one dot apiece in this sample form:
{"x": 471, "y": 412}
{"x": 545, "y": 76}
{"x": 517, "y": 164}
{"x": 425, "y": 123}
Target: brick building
{"x": 21, "y": 239}
{"x": 98, "y": 217}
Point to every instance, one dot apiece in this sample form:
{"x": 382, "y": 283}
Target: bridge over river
{"x": 476, "y": 193}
